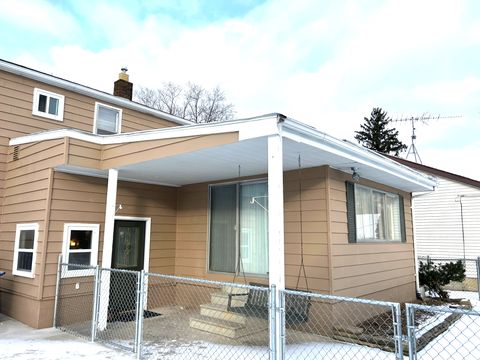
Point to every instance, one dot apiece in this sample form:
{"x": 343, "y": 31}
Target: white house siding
{"x": 438, "y": 224}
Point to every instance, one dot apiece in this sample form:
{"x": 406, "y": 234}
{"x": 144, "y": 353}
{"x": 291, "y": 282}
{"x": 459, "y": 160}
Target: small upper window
{"x": 80, "y": 247}
{"x": 374, "y": 215}
{"x": 107, "y": 119}
{"x": 48, "y": 104}
{"x": 25, "y": 248}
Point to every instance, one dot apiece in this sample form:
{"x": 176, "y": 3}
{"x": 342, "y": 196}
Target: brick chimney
{"x": 122, "y": 87}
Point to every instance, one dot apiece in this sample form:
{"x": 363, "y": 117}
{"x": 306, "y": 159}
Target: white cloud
{"x": 39, "y": 16}
{"x": 325, "y": 64}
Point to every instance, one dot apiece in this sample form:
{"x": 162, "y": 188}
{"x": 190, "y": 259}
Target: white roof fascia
{"x": 85, "y": 90}
{"x": 302, "y": 133}
{"x": 247, "y": 129}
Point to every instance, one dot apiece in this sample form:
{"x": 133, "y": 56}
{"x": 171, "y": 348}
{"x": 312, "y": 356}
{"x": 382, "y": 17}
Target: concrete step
{"x": 234, "y": 290}
{"x": 228, "y": 329}
{"x": 220, "y": 312}
{"x": 221, "y": 298}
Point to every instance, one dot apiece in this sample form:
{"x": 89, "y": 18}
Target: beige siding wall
{"x": 383, "y": 271}
{"x": 192, "y": 231}
{"x": 81, "y": 199}
{"x": 26, "y": 200}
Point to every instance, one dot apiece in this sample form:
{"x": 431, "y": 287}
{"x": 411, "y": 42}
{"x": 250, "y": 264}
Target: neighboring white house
{"x": 447, "y": 220}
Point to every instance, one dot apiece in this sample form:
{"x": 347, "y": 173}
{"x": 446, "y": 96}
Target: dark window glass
{"x": 81, "y": 239}
{"x": 42, "y": 103}
{"x": 82, "y": 258}
{"x": 25, "y": 260}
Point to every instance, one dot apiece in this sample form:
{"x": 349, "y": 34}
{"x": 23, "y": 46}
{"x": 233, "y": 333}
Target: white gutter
{"x": 85, "y": 90}
{"x": 264, "y": 126}
{"x": 356, "y": 153}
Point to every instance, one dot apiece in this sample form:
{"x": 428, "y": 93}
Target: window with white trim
{"x": 80, "y": 247}
{"x": 25, "y": 250}
{"x": 374, "y": 215}
{"x": 107, "y": 120}
{"x": 48, "y": 104}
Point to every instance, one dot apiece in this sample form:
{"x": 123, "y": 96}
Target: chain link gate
{"x": 442, "y": 332}
{"x": 318, "y": 326}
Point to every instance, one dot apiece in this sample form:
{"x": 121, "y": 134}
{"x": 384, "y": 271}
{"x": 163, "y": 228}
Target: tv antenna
{"x": 424, "y": 119}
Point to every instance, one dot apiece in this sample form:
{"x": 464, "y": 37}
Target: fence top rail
{"x": 341, "y": 298}
{"x": 209, "y": 282}
{"x": 443, "y": 309}
{"x": 78, "y": 266}
{"x": 435, "y": 258}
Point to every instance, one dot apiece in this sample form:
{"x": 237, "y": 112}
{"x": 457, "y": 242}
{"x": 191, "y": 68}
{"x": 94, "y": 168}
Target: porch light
{"x": 355, "y": 175}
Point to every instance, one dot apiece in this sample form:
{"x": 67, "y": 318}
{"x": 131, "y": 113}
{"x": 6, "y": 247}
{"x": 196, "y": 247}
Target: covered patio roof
{"x": 188, "y": 154}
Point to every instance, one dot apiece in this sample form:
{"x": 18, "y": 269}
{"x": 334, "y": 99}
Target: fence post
{"x": 282, "y": 325}
{"x": 397, "y": 331}
{"x": 412, "y": 341}
{"x": 57, "y": 289}
{"x": 478, "y": 276}
{"x": 139, "y": 320}
{"x": 273, "y": 328}
{"x": 96, "y": 293}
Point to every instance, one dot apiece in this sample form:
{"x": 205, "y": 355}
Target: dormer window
{"x": 107, "y": 120}
{"x": 48, "y": 104}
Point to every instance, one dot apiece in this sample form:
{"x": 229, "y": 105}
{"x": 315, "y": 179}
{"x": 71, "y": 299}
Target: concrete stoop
{"x": 215, "y": 317}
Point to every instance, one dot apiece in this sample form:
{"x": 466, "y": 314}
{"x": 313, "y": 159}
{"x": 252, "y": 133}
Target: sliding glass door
{"x": 239, "y": 228}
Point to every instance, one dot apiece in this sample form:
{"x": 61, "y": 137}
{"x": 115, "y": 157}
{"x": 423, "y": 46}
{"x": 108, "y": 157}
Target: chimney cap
{"x": 123, "y": 74}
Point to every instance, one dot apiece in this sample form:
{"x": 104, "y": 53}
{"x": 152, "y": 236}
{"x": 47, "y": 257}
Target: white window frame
{"x": 67, "y": 229}
{"x": 19, "y": 229}
{"x": 36, "y": 98}
{"x": 400, "y": 210}
{"x": 119, "y": 120}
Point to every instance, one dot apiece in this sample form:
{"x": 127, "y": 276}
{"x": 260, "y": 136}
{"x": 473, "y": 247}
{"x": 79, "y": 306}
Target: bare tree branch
{"x": 191, "y": 102}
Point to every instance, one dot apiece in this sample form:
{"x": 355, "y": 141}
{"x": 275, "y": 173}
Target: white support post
{"x": 276, "y": 253}
{"x": 108, "y": 246}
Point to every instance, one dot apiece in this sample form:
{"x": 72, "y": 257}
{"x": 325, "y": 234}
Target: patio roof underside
{"x": 245, "y": 158}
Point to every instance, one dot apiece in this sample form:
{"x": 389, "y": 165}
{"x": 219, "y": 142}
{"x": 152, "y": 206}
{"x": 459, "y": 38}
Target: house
{"x": 447, "y": 221}
{"x": 104, "y": 180}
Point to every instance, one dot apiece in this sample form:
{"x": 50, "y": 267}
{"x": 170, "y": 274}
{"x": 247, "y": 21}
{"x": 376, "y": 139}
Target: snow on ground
{"x": 20, "y": 342}
{"x": 461, "y": 340}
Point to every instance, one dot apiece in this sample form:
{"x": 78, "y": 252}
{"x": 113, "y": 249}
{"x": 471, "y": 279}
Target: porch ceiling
{"x": 246, "y": 158}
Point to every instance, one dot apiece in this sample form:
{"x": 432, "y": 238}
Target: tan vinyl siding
{"x": 368, "y": 269}
{"x": 81, "y": 199}
{"x": 25, "y": 201}
{"x": 84, "y": 154}
{"x": 192, "y": 231}
{"x": 16, "y": 99}
{"x": 124, "y": 154}
{"x": 159, "y": 203}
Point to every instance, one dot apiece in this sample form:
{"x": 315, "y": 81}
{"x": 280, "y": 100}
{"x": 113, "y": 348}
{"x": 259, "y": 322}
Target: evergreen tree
{"x": 376, "y": 136}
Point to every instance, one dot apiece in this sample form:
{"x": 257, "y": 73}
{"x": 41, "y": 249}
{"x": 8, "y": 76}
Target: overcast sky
{"x": 326, "y": 63}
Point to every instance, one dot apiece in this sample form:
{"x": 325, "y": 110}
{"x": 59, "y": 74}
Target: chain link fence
{"x": 472, "y": 271}
{"x": 189, "y": 318}
{"x": 331, "y": 327}
{"x": 74, "y": 299}
{"x": 169, "y": 317}
{"x": 443, "y": 332}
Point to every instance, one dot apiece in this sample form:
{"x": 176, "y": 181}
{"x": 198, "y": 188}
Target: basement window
{"x": 374, "y": 215}
{"x": 25, "y": 250}
{"x": 80, "y": 249}
{"x": 47, "y": 104}
{"x": 107, "y": 119}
